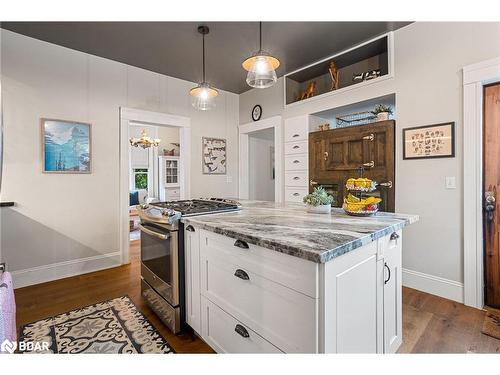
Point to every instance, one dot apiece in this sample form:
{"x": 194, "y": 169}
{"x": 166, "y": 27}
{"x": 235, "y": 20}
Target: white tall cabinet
{"x": 168, "y": 178}
{"x": 296, "y": 165}
{"x": 242, "y": 298}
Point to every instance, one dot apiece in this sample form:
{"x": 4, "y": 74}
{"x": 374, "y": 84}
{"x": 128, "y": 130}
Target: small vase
{"x": 321, "y": 209}
{"x": 382, "y": 116}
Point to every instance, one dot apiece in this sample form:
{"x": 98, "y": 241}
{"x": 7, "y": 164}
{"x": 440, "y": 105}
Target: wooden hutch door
{"x": 337, "y": 154}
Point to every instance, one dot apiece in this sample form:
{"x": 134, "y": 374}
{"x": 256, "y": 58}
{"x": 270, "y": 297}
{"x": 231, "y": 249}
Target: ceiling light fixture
{"x": 145, "y": 141}
{"x": 261, "y": 67}
{"x": 203, "y": 95}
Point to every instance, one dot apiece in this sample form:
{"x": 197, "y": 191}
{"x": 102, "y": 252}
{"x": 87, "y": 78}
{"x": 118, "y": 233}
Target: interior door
{"x": 491, "y": 186}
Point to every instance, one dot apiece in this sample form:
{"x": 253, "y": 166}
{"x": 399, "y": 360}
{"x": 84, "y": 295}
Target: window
{"x": 140, "y": 178}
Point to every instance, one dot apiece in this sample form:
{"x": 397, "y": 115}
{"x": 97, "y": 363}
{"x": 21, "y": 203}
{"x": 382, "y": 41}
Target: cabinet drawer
{"x": 225, "y": 334}
{"x": 292, "y": 148}
{"x": 296, "y": 162}
{"x": 293, "y": 194}
{"x": 296, "y": 129}
{"x": 281, "y": 315}
{"x": 292, "y": 272}
{"x": 296, "y": 179}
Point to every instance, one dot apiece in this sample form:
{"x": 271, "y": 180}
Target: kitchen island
{"x": 274, "y": 278}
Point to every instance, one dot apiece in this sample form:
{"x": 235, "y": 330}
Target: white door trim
{"x": 128, "y": 115}
{"x": 244, "y": 129}
{"x": 474, "y": 78}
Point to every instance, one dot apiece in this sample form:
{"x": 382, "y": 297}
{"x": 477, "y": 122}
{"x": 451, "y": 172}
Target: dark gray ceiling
{"x": 174, "y": 48}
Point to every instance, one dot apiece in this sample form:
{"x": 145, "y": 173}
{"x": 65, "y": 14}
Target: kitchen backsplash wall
{"x": 75, "y": 218}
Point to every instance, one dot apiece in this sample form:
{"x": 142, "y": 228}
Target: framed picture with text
{"x": 430, "y": 141}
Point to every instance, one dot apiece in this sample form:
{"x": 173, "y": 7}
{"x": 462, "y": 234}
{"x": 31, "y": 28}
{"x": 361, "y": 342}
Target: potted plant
{"x": 319, "y": 201}
{"x": 382, "y": 112}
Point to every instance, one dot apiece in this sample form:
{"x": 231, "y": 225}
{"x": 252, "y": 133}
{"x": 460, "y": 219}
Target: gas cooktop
{"x": 199, "y": 206}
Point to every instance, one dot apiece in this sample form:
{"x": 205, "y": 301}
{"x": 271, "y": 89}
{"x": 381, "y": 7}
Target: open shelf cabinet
{"x": 373, "y": 55}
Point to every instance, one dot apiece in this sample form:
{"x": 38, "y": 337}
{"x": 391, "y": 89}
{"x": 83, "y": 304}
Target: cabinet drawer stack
{"x": 256, "y": 300}
{"x": 296, "y": 158}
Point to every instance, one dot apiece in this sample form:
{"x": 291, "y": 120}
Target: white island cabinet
{"x": 242, "y": 298}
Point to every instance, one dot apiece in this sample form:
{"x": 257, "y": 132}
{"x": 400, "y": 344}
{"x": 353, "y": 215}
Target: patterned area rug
{"x": 114, "y": 326}
{"x": 491, "y": 323}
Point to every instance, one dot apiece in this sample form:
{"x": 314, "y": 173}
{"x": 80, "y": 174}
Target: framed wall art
{"x": 66, "y": 146}
{"x": 430, "y": 141}
{"x": 213, "y": 155}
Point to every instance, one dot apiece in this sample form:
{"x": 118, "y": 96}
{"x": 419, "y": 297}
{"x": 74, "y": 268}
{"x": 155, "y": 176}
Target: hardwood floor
{"x": 44, "y": 300}
{"x": 430, "y": 324}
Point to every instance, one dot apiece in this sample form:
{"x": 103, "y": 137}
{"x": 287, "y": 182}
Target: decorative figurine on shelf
{"x": 366, "y": 76}
{"x": 334, "y": 75}
{"x": 309, "y": 92}
{"x": 324, "y": 127}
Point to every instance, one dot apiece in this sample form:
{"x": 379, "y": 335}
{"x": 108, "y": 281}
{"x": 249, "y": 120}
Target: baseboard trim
{"x": 60, "y": 270}
{"x": 434, "y": 285}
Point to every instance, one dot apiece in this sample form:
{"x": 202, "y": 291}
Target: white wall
{"x": 168, "y": 135}
{"x": 260, "y": 181}
{"x": 68, "y": 217}
{"x": 428, "y": 87}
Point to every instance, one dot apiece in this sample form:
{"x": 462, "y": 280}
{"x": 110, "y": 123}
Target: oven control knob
{"x": 168, "y": 212}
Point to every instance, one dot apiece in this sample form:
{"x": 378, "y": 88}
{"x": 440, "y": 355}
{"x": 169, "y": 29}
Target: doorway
{"x": 475, "y": 77}
{"x": 135, "y": 117}
{"x": 154, "y": 171}
{"x": 261, "y": 165}
{"x": 491, "y": 172}
{"x": 260, "y": 160}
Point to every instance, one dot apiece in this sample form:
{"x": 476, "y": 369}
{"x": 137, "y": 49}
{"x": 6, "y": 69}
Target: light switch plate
{"x": 450, "y": 183}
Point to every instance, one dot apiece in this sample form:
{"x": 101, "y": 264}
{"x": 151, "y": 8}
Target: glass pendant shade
{"x": 203, "y": 96}
{"x": 261, "y": 70}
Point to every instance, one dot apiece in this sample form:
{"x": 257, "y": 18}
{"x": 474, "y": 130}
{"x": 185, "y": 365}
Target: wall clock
{"x": 256, "y": 112}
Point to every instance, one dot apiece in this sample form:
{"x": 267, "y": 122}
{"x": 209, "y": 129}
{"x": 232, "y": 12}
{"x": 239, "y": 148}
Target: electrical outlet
{"x": 450, "y": 183}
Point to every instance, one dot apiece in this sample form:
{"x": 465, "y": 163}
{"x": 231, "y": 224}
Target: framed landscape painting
{"x": 66, "y": 146}
{"x": 430, "y": 141}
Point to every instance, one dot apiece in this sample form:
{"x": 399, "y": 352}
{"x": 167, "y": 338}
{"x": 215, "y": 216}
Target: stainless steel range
{"x": 162, "y": 253}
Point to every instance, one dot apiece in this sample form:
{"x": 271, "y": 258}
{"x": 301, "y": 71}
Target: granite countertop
{"x": 288, "y": 228}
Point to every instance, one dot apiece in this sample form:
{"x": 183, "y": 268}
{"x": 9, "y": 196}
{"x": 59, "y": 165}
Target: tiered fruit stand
{"x": 359, "y": 202}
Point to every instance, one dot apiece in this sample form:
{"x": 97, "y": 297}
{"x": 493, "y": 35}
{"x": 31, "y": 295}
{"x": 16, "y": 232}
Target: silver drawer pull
{"x": 394, "y": 236}
{"x": 241, "y": 274}
{"x": 296, "y": 178}
{"x": 296, "y": 135}
{"x": 296, "y": 161}
{"x": 242, "y": 331}
{"x": 296, "y": 194}
{"x": 295, "y": 147}
{"x": 153, "y": 233}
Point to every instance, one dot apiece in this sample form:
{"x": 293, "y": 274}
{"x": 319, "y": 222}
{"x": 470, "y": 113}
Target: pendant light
{"x": 203, "y": 95}
{"x": 261, "y": 67}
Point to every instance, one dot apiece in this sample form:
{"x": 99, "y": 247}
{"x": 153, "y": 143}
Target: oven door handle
{"x": 153, "y": 233}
